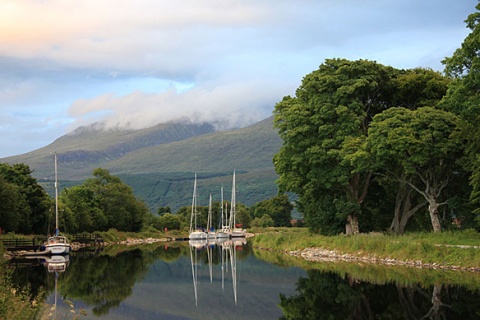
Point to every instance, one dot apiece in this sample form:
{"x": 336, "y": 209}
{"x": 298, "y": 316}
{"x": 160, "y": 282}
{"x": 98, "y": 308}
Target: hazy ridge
{"x": 159, "y": 162}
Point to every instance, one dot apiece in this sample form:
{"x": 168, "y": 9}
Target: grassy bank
{"x": 460, "y": 248}
{"x": 14, "y": 303}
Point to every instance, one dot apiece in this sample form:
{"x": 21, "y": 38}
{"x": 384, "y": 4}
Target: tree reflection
{"x": 104, "y": 282}
{"x": 325, "y": 295}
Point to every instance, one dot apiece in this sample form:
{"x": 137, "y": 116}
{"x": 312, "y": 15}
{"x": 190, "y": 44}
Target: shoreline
{"x": 315, "y": 254}
{"x": 311, "y": 254}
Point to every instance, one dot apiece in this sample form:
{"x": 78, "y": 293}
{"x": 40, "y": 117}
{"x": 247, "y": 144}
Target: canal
{"x": 231, "y": 280}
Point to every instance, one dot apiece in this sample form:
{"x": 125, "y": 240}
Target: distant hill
{"x": 159, "y": 162}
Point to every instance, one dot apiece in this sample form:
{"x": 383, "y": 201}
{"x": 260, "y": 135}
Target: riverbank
{"x": 449, "y": 250}
{"x": 459, "y": 250}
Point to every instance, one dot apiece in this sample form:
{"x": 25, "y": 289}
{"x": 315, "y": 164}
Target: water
{"x": 232, "y": 281}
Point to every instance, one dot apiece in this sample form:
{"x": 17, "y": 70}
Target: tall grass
{"x": 15, "y": 303}
{"x": 447, "y": 248}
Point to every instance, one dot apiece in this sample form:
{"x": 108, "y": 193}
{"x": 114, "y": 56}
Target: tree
{"x": 327, "y": 120}
{"x": 264, "y": 221}
{"x": 418, "y": 148}
{"x": 170, "y": 221}
{"x": 83, "y": 204}
{"x": 463, "y": 98}
{"x": 104, "y": 202}
{"x": 242, "y": 215}
{"x": 278, "y": 208}
{"x": 10, "y": 207}
{"x": 33, "y": 202}
{"x": 164, "y": 210}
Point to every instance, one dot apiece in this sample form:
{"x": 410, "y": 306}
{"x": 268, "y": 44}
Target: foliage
{"x": 463, "y": 98}
{"x": 170, "y": 222}
{"x": 326, "y": 127}
{"x": 16, "y": 303}
{"x": 101, "y": 203}
{"x": 263, "y": 222}
{"x": 320, "y": 126}
{"x": 279, "y": 208}
{"x": 424, "y": 143}
{"x": 163, "y": 210}
{"x": 24, "y": 204}
{"x": 327, "y": 295}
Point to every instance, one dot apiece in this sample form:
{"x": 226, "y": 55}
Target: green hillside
{"x": 159, "y": 162}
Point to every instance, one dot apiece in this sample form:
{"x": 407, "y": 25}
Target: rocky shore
{"x": 323, "y": 255}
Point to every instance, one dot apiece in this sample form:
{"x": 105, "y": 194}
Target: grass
{"x": 442, "y": 248}
{"x": 15, "y": 303}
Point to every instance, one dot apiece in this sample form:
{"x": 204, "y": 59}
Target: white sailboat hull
{"x": 57, "y": 245}
{"x": 58, "y": 249}
{"x": 197, "y": 235}
{"x": 238, "y": 233}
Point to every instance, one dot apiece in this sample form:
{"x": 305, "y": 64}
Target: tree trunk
{"x": 403, "y": 209}
{"x": 352, "y": 225}
{"x": 433, "y": 210}
{"x": 402, "y": 202}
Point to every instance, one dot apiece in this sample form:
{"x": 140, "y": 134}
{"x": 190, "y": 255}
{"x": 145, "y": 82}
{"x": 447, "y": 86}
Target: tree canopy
{"x": 101, "y": 203}
{"x": 24, "y": 204}
{"x": 357, "y": 125}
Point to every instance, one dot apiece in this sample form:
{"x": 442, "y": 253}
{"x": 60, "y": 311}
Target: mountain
{"x": 159, "y": 162}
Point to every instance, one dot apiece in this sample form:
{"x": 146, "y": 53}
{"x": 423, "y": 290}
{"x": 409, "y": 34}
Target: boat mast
{"x": 232, "y": 205}
{"x": 209, "y": 219}
{"x": 221, "y": 204}
{"x": 56, "y": 196}
{"x": 194, "y": 206}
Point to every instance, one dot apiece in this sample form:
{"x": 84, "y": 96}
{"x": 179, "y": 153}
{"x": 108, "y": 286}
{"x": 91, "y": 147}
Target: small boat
{"x": 57, "y": 244}
{"x": 195, "y": 232}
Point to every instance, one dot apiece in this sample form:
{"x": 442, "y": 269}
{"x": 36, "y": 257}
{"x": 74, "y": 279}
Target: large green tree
{"x": 117, "y": 201}
{"x": 32, "y": 202}
{"x": 83, "y": 205}
{"x": 103, "y": 202}
{"x": 325, "y": 126}
{"x": 418, "y": 148}
{"x": 10, "y": 206}
{"x": 327, "y": 120}
{"x": 463, "y": 98}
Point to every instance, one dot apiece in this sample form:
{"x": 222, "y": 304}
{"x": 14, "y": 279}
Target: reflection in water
{"x": 326, "y": 295}
{"x": 56, "y": 264}
{"x": 228, "y": 250}
{"x": 155, "y": 282}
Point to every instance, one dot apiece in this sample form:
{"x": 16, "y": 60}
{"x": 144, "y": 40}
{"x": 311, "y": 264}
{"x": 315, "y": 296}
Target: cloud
{"x": 137, "y": 63}
{"x": 227, "y": 106}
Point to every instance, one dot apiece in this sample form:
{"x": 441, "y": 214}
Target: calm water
{"x": 228, "y": 281}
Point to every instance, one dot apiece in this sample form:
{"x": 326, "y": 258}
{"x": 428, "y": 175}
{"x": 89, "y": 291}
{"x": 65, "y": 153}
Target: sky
{"x": 134, "y": 64}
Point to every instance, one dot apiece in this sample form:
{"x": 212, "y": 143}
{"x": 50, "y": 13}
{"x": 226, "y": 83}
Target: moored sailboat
{"x": 57, "y": 244}
{"x": 236, "y": 230}
{"x": 224, "y": 232}
{"x": 195, "y": 233}
{"x": 211, "y": 234}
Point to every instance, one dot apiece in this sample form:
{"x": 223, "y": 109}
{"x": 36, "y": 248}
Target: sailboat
{"x": 236, "y": 230}
{"x": 224, "y": 232}
{"x": 195, "y": 233}
{"x": 57, "y": 244}
{"x": 211, "y": 234}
